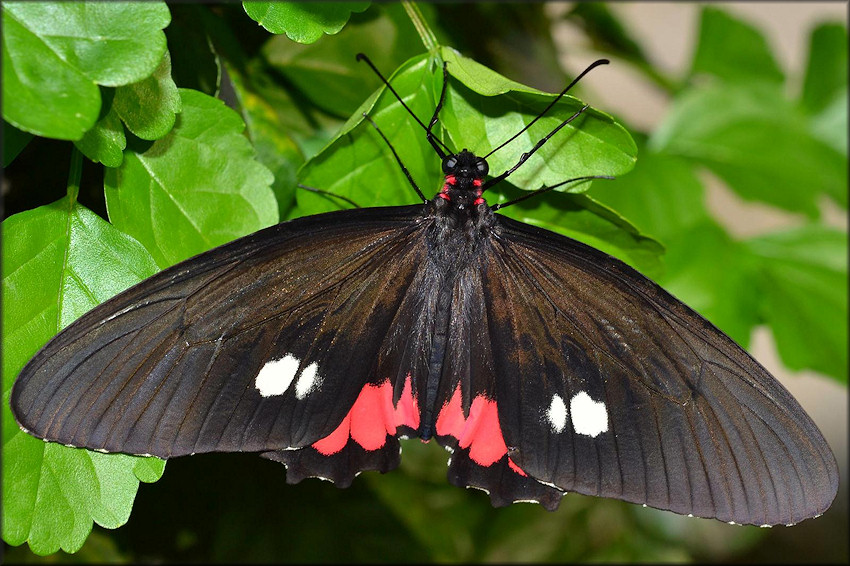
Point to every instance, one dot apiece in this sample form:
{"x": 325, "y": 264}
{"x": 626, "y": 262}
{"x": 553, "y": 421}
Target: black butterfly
{"x": 543, "y": 365}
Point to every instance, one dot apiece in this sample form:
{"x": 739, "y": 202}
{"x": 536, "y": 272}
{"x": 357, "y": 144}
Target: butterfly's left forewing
{"x": 606, "y": 385}
{"x": 281, "y": 342}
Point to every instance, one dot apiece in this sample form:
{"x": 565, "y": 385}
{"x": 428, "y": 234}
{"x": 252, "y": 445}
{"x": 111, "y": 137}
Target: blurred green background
{"x": 740, "y": 116}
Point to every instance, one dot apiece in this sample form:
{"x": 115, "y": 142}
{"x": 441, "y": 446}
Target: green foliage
{"x": 183, "y": 173}
{"x": 304, "y": 23}
{"x": 59, "y": 261}
{"x": 196, "y": 188}
{"x": 55, "y": 54}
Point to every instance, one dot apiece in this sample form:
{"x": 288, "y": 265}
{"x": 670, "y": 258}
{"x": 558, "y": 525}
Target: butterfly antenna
{"x": 328, "y": 193}
{"x": 551, "y": 104}
{"x": 524, "y": 157}
{"x": 435, "y": 143}
{"x": 542, "y": 190}
{"x": 397, "y": 158}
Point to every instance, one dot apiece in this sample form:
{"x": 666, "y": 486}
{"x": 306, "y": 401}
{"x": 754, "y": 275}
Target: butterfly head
{"x": 464, "y": 176}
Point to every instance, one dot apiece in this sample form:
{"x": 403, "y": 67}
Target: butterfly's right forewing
{"x": 263, "y": 344}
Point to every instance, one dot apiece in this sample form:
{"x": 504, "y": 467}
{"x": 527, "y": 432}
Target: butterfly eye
{"x": 449, "y": 164}
{"x": 482, "y": 167}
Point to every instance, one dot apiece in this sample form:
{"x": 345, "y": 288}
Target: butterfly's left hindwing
{"x": 585, "y": 376}
{"x": 280, "y": 342}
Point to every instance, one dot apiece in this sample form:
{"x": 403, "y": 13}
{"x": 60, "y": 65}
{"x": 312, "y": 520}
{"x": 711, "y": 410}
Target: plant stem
{"x": 429, "y": 40}
{"x": 75, "y": 173}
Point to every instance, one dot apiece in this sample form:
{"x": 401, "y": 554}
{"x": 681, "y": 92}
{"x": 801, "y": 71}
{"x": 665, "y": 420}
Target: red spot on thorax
{"x": 476, "y": 182}
{"x": 372, "y": 418}
{"x": 451, "y": 179}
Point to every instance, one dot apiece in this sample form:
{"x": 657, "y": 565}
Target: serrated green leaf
{"x": 326, "y": 71}
{"x": 270, "y": 135}
{"x": 826, "y": 72}
{"x": 198, "y": 187}
{"x": 358, "y": 164}
{"x": 733, "y": 50}
{"x": 59, "y": 261}
{"x": 148, "y": 107}
{"x": 105, "y": 141}
{"x": 758, "y": 142}
{"x": 56, "y": 53}
{"x": 592, "y": 144}
{"x": 304, "y": 22}
{"x": 804, "y": 274}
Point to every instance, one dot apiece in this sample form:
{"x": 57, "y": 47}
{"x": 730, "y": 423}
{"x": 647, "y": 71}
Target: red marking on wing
{"x": 516, "y": 468}
{"x": 369, "y": 423}
{"x": 335, "y": 441}
{"x": 407, "y": 410}
{"x": 480, "y": 432}
{"x": 372, "y": 418}
{"x": 451, "y": 421}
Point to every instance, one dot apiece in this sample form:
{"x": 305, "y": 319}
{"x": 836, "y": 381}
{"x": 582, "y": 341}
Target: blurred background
{"x": 670, "y": 64}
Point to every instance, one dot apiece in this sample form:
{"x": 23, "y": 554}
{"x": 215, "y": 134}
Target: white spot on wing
{"x": 276, "y": 376}
{"x": 308, "y": 380}
{"x": 557, "y": 413}
{"x": 589, "y": 417}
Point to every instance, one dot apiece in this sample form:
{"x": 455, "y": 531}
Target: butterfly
{"x": 544, "y": 366}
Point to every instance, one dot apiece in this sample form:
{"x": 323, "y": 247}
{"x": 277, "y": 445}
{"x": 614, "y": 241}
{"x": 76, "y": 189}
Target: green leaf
{"x": 804, "y": 275}
{"x": 830, "y": 125}
{"x": 758, "y": 142}
{"x": 56, "y": 53}
{"x": 195, "y": 64}
{"x": 105, "y": 142}
{"x": 326, "y": 72}
{"x": 606, "y": 31}
{"x": 271, "y": 137}
{"x": 826, "y": 72}
{"x": 358, "y": 164}
{"x": 198, "y": 187}
{"x": 492, "y": 109}
{"x": 580, "y": 217}
{"x": 662, "y": 196}
{"x": 733, "y": 50}
{"x": 148, "y": 107}
{"x": 304, "y": 22}
{"x": 713, "y": 274}
{"x": 14, "y": 140}
{"x": 59, "y": 261}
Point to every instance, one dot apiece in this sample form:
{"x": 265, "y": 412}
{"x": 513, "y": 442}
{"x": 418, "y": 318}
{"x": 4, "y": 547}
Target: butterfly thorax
{"x": 462, "y": 217}
{"x": 461, "y": 221}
